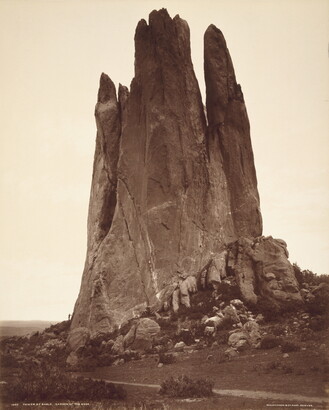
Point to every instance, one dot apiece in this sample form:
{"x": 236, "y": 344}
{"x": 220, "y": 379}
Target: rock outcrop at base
{"x": 172, "y": 186}
{"x": 262, "y": 270}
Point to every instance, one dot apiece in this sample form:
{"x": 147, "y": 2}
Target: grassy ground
{"x": 304, "y": 372}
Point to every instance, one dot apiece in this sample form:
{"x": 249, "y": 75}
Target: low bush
{"x": 229, "y": 291}
{"x": 183, "y": 386}
{"x": 222, "y": 336}
{"x": 278, "y": 330}
{"x": 167, "y": 324}
{"x": 105, "y": 359}
{"x": 131, "y": 355}
{"x": 288, "y": 347}
{"x": 59, "y": 327}
{"x": 269, "y": 309}
{"x": 273, "y": 366}
{"x": 287, "y": 369}
{"x": 40, "y": 382}
{"x": 8, "y": 360}
{"x": 269, "y": 342}
{"x": 306, "y": 335}
{"x": 85, "y": 364}
{"x": 309, "y": 277}
{"x": 185, "y": 336}
{"x": 319, "y": 305}
{"x": 319, "y": 323}
{"x": 167, "y": 358}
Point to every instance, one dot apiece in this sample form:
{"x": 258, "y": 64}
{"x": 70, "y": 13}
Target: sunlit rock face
{"x": 171, "y": 186}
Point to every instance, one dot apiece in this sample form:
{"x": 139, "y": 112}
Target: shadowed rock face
{"x": 229, "y": 129}
{"x": 168, "y": 191}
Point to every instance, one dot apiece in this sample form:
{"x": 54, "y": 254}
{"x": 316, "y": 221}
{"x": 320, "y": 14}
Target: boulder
{"x": 176, "y": 300}
{"x": 255, "y": 338}
{"x": 231, "y": 353}
{"x": 237, "y": 303}
{"x": 191, "y": 284}
{"x": 264, "y": 261}
{"x": 145, "y": 332}
{"x": 184, "y": 294}
{"x": 179, "y": 346}
{"x": 217, "y": 269}
{"x": 72, "y": 359}
{"x": 260, "y": 318}
{"x": 209, "y": 330}
{"x": 129, "y": 338}
{"x": 241, "y": 345}
{"x": 251, "y": 326}
{"x": 78, "y": 338}
{"x": 234, "y": 338}
{"x": 118, "y": 346}
{"x": 215, "y": 321}
{"x": 230, "y": 314}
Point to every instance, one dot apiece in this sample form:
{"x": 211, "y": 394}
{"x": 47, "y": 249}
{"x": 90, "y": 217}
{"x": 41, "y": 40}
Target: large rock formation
{"x": 171, "y": 186}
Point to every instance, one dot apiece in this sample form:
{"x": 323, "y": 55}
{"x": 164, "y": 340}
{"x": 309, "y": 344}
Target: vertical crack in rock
{"x": 135, "y": 252}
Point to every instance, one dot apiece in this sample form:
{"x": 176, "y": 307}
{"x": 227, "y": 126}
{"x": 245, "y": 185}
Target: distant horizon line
{"x": 31, "y": 320}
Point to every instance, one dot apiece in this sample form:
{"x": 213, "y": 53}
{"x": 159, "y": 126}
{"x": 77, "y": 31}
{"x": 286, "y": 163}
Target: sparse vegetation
{"x": 269, "y": 342}
{"x": 59, "y": 328}
{"x": 289, "y": 346}
{"x": 167, "y": 358}
{"x": 42, "y": 381}
{"x": 183, "y": 386}
{"x": 8, "y": 360}
{"x": 269, "y": 309}
{"x": 309, "y": 277}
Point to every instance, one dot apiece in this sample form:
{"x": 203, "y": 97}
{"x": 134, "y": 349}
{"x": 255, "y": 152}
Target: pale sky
{"x": 52, "y": 55}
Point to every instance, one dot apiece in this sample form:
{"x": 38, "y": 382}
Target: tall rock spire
{"x": 167, "y": 193}
{"x": 229, "y": 129}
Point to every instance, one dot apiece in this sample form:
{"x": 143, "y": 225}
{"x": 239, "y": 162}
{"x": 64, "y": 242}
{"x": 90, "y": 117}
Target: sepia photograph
{"x": 164, "y": 192}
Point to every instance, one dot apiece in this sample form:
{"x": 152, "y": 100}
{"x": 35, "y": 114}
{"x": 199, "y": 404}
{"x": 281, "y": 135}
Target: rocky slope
{"x": 173, "y": 188}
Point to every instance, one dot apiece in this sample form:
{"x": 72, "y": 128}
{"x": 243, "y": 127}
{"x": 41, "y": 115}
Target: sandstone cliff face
{"x": 170, "y": 187}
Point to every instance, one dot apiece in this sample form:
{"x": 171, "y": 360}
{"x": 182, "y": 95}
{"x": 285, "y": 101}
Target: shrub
{"x": 298, "y": 274}
{"x": 222, "y": 336}
{"x": 319, "y": 305}
{"x": 130, "y": 355}
{"x": 85, "y": 364}
{"x": 105, "y": 359}
{"x": 59, "y": 327}
{"x": 229, "y": 291}
{"x": 269, "y": 342}
{"x": 309, "y": 277}
{"x": 40, "y": 382}
{"x": 273, "y": 365}
{"x": 306, "y": 335}
{"x": 167, "y": 324}
{"x": 183, "y": 386}
{"x": 278, "y": 330}
{"x": 268, "y": 308}
{"x": 319, "y": 323}
{"x": 287, "y": 369}
{"x": 8, "y": 360}
{"x": 166, "y": 358}
{"x": 185, "y": 336}
{"x": 289, "y": 347}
